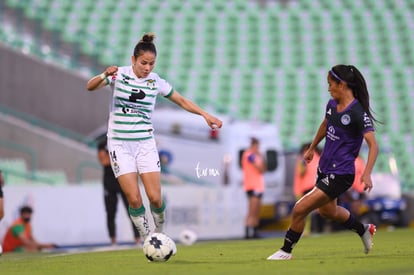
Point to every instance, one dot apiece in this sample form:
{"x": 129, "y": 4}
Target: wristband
{"x": 102, "y": 76}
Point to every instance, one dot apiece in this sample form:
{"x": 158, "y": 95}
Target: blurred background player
{"x": 1, "y": 201}
{"x": 1, "y": 195}
{"x": 131, "y": 140}
{"x": 19, "y": 236}
{"x": 253, "y": 166}
{"x": 111, "y": 192}
{"x": 353, "y": 198}
{"x": 303, "y": 182}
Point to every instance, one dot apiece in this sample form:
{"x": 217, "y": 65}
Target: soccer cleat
{"x": 280, "y": 255}
{"x": 368, "y": 236}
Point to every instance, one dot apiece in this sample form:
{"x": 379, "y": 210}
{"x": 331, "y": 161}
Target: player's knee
{"x": 327, "y": 214}
{"x": 155, "y": 201}
{"x": 299, "y": 210}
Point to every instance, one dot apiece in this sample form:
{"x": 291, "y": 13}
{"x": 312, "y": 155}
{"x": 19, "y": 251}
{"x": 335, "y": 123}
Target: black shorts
{"x": 1, "y": 192}
{"x": 334, "y": 185}
{"x": 253, "y": 193}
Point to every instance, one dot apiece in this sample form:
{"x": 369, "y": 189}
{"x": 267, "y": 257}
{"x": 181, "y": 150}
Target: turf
{"x": 337, "y": 253}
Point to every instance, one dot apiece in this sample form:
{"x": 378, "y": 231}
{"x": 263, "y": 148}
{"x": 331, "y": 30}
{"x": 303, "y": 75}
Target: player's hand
{"x": 111, "y": 70}
{"x": 366, "y": 180}
{"x": 308, "y": 156}
{"x": 213, "y": 122}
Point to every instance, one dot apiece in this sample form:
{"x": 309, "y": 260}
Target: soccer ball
{"x": 158, "y": 247}
{"x": 188, "y": 237}
{"x": 1, "y": 250}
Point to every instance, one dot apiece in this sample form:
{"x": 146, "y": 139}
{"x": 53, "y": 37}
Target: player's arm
{"x": 320, "y": 134}
{"x": 31, "y": 244}
{"x": 101, "y": 80}
{"x": 28, "y": 242}
{"x": 372, "y": 157}
{"x": 256, "y": 160}
{"x": 191, "y": 107}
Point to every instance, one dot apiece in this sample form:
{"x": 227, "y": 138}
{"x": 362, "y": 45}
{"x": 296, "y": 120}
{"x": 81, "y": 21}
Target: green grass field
{"x": 337, "y": 253}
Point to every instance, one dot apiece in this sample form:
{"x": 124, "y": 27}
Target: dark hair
{"x": 356, "y": 82}
{"x": 26, "y": 209}
{"x": 254, "y": 140}
{"x": 145, "y": 45}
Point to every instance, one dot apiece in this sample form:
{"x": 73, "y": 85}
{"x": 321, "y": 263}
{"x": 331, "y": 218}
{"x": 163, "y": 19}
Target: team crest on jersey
{"x": 345, "y": 119}
{"x": 150, "y": 83}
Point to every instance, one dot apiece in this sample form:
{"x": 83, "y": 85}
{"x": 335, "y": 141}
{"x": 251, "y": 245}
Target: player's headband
{"x": 340, "y": 79}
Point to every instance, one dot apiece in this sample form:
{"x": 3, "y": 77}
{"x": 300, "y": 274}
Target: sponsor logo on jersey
{"x": 367, "y": 121}
{"x": 331, "y": 133}
{"x": 329, "y": 112}
{"x": 137, "y": 95}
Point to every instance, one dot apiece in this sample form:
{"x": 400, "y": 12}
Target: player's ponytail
{"x": 145, "y": 44}
{"x": 356, "y": 82}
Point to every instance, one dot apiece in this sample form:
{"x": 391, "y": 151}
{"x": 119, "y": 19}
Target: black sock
{"x": 354, "y": 225}
{"x": 291, "y": 238}
{"x": 248, "y": 232}
{"x": 255, "y": 233}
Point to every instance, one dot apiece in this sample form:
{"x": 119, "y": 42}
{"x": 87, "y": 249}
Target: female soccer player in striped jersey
{"x": 348, "y": 120}
{"x": 131, "y": 142}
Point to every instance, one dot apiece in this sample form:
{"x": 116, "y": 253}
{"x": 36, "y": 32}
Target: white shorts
{"x": 133, "y": 156}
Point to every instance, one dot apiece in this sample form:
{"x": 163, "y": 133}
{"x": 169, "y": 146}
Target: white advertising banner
{"x": 75, "y": 214}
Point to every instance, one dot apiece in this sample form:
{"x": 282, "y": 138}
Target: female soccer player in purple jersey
{"x": 348, "y": 120}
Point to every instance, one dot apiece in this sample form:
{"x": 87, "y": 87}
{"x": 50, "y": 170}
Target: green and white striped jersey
{"x": 133, "y": 102}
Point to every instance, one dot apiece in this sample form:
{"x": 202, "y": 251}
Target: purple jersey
{"x": 343, "y": 139}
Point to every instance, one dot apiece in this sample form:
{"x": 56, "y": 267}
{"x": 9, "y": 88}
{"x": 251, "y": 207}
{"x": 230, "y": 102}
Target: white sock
{"x": 141, "y": 223}
{"x": 159, "y": 219}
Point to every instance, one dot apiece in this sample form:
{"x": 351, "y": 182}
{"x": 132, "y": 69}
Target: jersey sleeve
{"x": 364, "y": 123}
{"x": 17, "y": 230}
{"x": 164, "y": 88}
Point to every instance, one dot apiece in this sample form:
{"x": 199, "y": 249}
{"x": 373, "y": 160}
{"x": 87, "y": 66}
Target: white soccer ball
{"x": 158, "y": 247}
{"x": 188, "y": 237}
{"x": 1, "y": 250}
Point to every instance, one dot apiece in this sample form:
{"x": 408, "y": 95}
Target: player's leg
{"x": 148, "y": 163}
{"x": 1, "y": 199}
{"x": 124, "y": 165}
{"x": 152, "y": 185}
{"x": 252, "y": 220}
{"x": 337, "y": 186}
{"x": 1, "y": 208}
{"x": 257, "y": 202}
{"x": 249, "y": 217}
{"x": 136, "y": 209}
{"x": 311, "y": 201}
{"x": 343, "y": 216}
{"x": 110, "y": 207}
{"x": 136, "y": 233}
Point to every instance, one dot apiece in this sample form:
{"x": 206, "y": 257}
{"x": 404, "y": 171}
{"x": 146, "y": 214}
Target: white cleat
{"x": 280, "y": 255}
{"x": 370, "y": 230}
